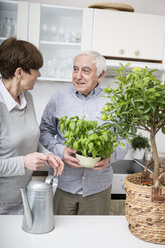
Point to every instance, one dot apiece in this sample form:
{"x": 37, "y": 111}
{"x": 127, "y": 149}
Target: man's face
{"x": 84, "y": 76}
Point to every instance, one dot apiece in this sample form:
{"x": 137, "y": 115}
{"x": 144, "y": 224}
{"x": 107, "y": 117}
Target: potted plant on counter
{"x": 139, "y": 143}
{"x": 138, "y": 102}
{"x": 91, "y": 141}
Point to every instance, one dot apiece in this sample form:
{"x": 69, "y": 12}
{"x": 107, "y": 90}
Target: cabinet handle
{"x": 137, "y": 53}
{"x": 121, "y": 51}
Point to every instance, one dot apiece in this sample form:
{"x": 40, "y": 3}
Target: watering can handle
{"x": 52, "y": 180}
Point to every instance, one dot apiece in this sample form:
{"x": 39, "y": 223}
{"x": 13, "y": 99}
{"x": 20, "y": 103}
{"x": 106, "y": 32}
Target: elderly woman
{"x": 20, "y": 150}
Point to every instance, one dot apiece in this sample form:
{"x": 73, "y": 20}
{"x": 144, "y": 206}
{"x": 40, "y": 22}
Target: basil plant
{"x": 88, "y": 138}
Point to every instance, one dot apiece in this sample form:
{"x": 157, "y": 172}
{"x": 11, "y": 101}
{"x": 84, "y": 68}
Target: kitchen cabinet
{"x": 117, "y": 207}
{"x": 13, "y": 20}
{"x": 124, "y": 35}
{"x": 59, "y": 40}
{"x": 55, "y": 30}
{"x": 8, "y": 19}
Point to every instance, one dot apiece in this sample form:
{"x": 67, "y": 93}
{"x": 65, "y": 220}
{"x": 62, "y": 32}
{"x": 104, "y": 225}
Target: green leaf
{"x": 139, "y": 99}
{"x": 62, "y": 127}
{"x": 122, "y": 144}
{"x": 75, "y": 145}
{"x": 132, "y": 101}
{"x": 63, "y": 118}
{"x": 147, "y": 110}
{"x": 163, "y": 130}
{"x": 119, "y": 128}
{"x": 146, "y": 117}
{"x": 128, "y": 64}
{"x": 113, "y": 98}
{"x": 72, "y": 126}
{"x": 133, "y": 129}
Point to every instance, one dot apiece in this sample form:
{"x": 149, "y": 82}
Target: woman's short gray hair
{"x": 99, "y": 60}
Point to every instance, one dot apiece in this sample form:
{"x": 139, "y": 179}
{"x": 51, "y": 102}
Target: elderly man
{"x": 81, "y": 191}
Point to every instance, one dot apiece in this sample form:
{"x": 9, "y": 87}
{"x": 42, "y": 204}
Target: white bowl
{"x": 87, "y": 162}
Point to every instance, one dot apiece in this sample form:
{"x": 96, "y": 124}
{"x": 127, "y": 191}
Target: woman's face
{"x": 28, "y": 80}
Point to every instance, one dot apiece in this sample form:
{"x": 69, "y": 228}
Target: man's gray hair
{"x": 98, "y": 60}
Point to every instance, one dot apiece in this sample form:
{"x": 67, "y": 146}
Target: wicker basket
{"x": 146, "y": 216}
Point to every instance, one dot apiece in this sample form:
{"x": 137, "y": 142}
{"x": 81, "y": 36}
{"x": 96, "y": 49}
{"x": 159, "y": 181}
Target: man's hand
{"x": 69, "y": 159}
{"x": 56, "y": 163}
{"x": 101, "y": 164}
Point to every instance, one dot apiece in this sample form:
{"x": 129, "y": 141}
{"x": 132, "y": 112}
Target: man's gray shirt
{"x": 69, "y": 102}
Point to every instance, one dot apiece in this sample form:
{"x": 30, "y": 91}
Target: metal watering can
{"x": 38, "y": 205}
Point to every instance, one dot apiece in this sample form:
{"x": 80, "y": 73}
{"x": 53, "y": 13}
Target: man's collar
{"x": 9, "y": 101}
{"x": 95, "y": 91}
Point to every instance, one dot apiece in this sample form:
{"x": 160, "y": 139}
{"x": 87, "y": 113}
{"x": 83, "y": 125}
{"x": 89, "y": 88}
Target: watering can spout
{"x": 27, "y": 212}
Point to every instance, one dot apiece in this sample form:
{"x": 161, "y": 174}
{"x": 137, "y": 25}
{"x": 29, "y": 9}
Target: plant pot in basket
{"x": 138, "y": 103}
{"x": 145, "y": 209}
{"x": 139, "y": 144}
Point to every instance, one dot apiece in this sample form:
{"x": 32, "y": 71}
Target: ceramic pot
{"x": 138, "y": 154}
{"x": 87, "y": 162}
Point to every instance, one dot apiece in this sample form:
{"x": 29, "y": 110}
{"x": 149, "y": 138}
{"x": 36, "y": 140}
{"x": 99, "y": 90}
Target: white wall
{"x": 42, "y": 92}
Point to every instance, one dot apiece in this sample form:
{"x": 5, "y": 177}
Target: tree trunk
{"x": 155, "y": 155}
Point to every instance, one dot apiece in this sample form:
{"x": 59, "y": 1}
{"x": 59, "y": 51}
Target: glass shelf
{"x": 3, "y": 38}
{"x": 8, "y": 19}
{"x": 60, "y": 41}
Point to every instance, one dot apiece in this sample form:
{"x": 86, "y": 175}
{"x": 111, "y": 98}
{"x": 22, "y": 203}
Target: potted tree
{"x": 139, "y": 143}
{"x": 138, "y": 102}
{"x": 91, "y": 141}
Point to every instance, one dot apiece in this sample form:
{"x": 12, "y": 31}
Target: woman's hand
{"x": 56, "y": 163}
{"x": 35, "y": 161}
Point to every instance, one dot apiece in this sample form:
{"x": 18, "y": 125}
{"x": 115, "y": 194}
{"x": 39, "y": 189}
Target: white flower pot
{"x": 138, "y": 154}
{"x": 87, "y": 162}
{"x": 129, "y": 156}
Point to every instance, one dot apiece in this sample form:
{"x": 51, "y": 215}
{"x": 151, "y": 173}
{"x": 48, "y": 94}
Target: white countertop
{"x": 72, "y": 232}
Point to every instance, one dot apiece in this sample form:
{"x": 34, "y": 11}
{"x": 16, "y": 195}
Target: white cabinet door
{"x": 22, "y": 20}
{"x": 34, "y": 23}
{"x": 87, "y": 26}
{"x": 128, "y": 35}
